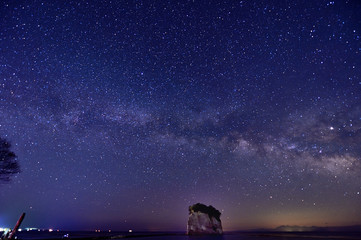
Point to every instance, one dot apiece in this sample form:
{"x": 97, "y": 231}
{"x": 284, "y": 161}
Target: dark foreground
{"x": 182, "y": 236}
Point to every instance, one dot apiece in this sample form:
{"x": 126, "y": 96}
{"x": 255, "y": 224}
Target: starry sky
{"x": 124, "y": 113}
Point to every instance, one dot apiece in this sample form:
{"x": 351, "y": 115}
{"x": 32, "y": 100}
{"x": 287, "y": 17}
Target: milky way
{"x": 122, "y": 114}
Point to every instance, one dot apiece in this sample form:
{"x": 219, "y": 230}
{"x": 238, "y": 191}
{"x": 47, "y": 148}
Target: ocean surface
{"x": 182, "y": 236}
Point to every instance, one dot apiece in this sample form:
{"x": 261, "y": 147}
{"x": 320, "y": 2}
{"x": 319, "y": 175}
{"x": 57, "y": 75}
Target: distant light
{"x": 109, "y": 230}
{"x": 31, "y": 229}
{"x": 19, "y": 229}
{"x": 331, "y": 128}
{"x": 50, "y": 230}
{"x": 130, "y": 230}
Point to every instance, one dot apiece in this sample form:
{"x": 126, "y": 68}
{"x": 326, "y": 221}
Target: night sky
{"x": 124, "y": 113}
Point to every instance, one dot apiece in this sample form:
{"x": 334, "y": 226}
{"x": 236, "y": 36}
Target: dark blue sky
{"x": 124, "y": 113}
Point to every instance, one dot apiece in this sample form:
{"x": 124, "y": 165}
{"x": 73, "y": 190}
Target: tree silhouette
{"x": 210, "y": 210}
{"x": 8, "y": 163}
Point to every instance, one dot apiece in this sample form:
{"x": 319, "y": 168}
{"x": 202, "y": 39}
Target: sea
{"x": 182, "y": 236}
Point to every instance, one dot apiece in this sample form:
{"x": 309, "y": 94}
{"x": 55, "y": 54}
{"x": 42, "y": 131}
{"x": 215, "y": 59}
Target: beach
{"x": 182, "y": 236}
